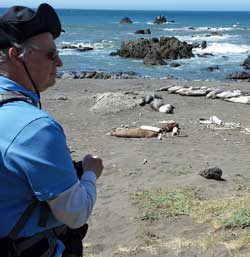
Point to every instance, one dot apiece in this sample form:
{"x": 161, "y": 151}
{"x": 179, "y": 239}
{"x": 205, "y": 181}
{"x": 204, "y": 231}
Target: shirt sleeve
{"x": 74, "y": 206}
{"x": 40, "y": 153}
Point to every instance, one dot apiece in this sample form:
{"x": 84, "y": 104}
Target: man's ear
{"x": 14, "y": 56}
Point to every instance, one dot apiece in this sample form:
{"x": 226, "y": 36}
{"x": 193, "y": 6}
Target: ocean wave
{"x": 223, "y": 48}
{"x": 214, "y": 29}
{"x": 207, "y": 29}
{"x": 210, "y": 38}
{"x": 96, "y": 45}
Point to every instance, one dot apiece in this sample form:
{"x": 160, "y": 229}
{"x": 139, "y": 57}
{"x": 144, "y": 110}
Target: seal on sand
{"x": 133, "y": 133}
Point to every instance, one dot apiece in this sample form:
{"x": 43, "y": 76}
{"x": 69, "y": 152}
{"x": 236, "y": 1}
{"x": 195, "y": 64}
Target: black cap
{"x": 20, "y": 23}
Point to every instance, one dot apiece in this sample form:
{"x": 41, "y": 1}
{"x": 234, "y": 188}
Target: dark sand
{"x": 149, "y": 163}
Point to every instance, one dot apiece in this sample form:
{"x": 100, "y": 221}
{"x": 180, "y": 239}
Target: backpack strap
{"x": 11, "y": 96}
{"x": 23, "y": 219}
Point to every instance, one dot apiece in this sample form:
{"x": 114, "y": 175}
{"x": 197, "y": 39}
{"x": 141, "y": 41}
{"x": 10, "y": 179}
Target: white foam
{"x": 208, "y": 29}
{"x": 191, "y": 39}
{"x": 223, "y": 48}
{"x": 97, "y": 45}
{"x": 214, "y": 29}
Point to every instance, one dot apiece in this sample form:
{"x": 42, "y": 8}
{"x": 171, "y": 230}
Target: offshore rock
{"x": 153, "y": 57}
{"x": 239, "y": 75}
{"x": 126, "y": 20}
{"x": 246, "y": 63}
{"x": 143, "y": 31}
{"x": 156, "y": 49}
{"x": 160, "y": 20}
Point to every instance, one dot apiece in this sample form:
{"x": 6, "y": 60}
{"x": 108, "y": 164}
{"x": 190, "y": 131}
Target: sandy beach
{"x": 127, "y": 223}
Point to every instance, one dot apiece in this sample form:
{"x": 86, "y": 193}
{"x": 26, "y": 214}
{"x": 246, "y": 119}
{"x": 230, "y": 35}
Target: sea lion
{"x": 239, "y": 99}
{"x": 167, "y": 108}
{"x": 133, "y": 133}
{"x": 229, "y": 94}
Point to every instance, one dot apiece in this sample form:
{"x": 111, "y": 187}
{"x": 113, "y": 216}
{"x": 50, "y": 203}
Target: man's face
{"x": 42, "y": 61}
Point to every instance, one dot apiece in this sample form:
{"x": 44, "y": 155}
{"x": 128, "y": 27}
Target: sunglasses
{"x": 50, "y": 54}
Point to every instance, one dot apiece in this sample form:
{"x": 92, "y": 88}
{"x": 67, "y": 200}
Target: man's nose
{"x": 59, "y": 62}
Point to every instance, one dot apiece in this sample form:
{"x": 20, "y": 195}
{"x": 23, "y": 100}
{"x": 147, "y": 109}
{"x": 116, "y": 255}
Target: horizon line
{"x": 144, "y": 10}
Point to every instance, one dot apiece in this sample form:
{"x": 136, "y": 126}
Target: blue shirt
{"x": 34, "y": 160}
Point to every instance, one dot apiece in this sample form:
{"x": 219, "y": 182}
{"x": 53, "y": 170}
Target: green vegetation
{"x": 239, "y": 218}
{"x": 165, "y": 203}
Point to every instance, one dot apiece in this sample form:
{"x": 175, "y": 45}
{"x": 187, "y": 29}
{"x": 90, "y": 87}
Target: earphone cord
{"x": 33, "y": 84}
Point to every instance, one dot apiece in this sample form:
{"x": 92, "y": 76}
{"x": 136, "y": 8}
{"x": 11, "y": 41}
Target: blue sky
{"x": 139, "y": 4}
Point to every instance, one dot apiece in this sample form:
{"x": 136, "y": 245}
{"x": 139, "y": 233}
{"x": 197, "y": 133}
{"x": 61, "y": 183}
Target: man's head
{"x": 27, "y": 48}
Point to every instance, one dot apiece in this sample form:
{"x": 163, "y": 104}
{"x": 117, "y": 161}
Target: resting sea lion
{"x": 133, "y": 133}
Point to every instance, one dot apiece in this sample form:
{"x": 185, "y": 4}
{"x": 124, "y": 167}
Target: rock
{"x": 84, "y": 49}
{"x": 212, "y": 173}
{"x": 205, "y": 55}
{"x": 203, "y": 44}
{"x": 126, "y": 20}
{"x": 174, "y": 65}
{"x": 111, "y": 102}
{"x": 69, "y": 47}
{"x": 213, "y": 68}
{"x": 155, "y": 50}
{"x": 160, "y": 20}
{"x": 246, "y": 63}
{"x": 78, "y": 48}
{"x": 153, "y": 57}
{"x": 90, "y": 75}
{"x": 143, "y": 31}
{"x": 239, "y": 75}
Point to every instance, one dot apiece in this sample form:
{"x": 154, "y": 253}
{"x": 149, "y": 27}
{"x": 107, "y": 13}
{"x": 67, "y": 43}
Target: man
{"x": 39, "y": 188}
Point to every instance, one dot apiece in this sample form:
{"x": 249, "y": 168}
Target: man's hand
{"x": 92, "y": 163}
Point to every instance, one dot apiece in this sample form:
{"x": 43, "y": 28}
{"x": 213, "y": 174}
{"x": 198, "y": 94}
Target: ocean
{"x": 101, "y": 29}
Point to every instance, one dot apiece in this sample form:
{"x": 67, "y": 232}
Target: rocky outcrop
{"x": 201, "y": 45}
{"x": 155, "y": 50}
{"x": 239, "y": 75}
{"x": 78, "y": 48}
{"x": 153, "y": 57}
{"x": 246, "y": 63}
{"x": 143, "y": 31}
{"x": 97, "y": 75}
{"x": 126, "y": 20}
{"x": 160, "y": 20}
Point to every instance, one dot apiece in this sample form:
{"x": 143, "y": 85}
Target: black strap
{"x": 23, "y": 219}
{"x": 11, "y": 96}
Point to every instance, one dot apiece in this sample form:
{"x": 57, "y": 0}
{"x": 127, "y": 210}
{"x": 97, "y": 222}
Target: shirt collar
{"x": 10, "y": 85}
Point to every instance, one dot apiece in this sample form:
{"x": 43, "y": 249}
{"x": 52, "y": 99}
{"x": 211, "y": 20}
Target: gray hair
{"x": 4, "y": 56}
